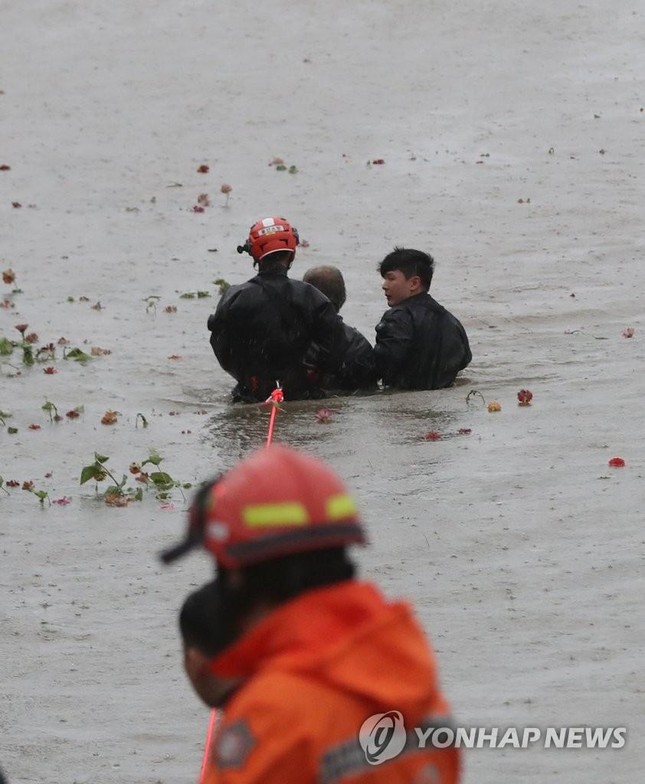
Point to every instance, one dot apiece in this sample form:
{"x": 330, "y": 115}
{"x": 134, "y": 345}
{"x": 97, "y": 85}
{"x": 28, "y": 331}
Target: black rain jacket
{"x": 420, "y": 345}
{"x": 262, "y": 329}
{"x": 356, "y": 372}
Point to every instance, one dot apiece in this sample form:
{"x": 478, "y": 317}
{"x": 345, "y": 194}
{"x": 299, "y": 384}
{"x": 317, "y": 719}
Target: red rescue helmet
{"x": 270, "y": 235}
{"x": 276, "y": 502}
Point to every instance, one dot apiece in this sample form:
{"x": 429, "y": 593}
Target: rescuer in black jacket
{"x": 357, "y": 370}
{"x": 419, "y": 344}
{"x": 262, "y": 329}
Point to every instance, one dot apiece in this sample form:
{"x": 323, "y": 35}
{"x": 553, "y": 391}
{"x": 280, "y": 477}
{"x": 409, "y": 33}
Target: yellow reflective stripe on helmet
{"x": 288, "y": 513}
{"x": 339, "y": 506}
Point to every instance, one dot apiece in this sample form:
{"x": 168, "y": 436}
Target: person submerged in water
{"x": 262, "y": 329}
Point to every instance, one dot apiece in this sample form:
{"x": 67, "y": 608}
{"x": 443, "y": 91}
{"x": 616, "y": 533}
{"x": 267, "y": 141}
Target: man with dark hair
{"x": 325, "y": 665}
{"x": 262, "y": 329}
{"x": 201, "y": 641}
{"x": 357, "y": 370}
{"x": 419, "y": 344}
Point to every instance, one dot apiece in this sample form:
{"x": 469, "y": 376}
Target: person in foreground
{"x": 357, "y": 370}
{"x": 262, "y": 329}
{"x": 419, "y": 344}
{"x": 330, "y": 678}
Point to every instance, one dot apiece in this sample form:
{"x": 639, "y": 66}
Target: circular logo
{"x": 382, "y": 737}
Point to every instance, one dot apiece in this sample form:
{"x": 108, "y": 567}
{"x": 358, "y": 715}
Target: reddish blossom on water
{"x": 135, "y": 468}
{"x": 12, "y": 483}
{"x": 8, "y": 276}
{"x": 378, "y": 162}
{"x": 50, "y": 371}
{"x": 34, "y": 427}
{"x": 204, "y": 200}
{"x": 225, "y": 188}
{"x": 28, "y": 485}
{"x": 16, "y": 205}
{"x": 617, "y": 462}
{"x": 203, "y": 169}
{"x": 432, "y": 435}
{"x": 73, "y": 414}
{"x": 464, "y": 431}
{"x": 62, "y": 501}
{"x": 324, "y": 415}
{"x": 110, "y": 417}
{"x": 198, "y": 208}
{"x": 524, "y": 397}
{"x": 142, "y": 477}
{"x": 32, "y": 337}
{"x": 22, "y": 328}
{"x": 628, "y": 332}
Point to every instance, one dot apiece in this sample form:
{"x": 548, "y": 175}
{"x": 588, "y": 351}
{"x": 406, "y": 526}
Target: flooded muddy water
{"x": 512, "y": 141}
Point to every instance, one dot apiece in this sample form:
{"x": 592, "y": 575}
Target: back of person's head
{"x": 329, "y": 280}
{"x": 271, "y": 243}
{"x": 410, "y": 262}
{"x": 198, "y": 620}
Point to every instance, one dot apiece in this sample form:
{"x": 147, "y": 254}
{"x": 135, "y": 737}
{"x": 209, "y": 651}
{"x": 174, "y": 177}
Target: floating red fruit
{"x": 617, "y": 462}
{"x": 524, "y": 397}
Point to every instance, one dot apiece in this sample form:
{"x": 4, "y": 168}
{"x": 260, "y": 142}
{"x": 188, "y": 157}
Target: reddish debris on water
{"x": 432, "y": 435}
{"x": 50, "y": 371}
{"x": 617, "y": 462}
{"x": 628, "y": 332}
{"x": 324, "y": 415}
{"x": 524, "y": 397}
{"x": 203, "y": 169}
{"x": 110, "y": 417}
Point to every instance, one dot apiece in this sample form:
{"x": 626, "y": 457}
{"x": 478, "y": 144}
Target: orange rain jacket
{"x": 317, "y": 668}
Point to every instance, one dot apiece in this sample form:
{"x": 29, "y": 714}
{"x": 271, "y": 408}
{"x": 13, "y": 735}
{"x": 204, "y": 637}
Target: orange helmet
{"x": 270, "y": 235}
{"x": 276, "y": 502}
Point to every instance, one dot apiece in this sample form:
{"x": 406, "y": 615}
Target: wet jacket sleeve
{"x": 272, "y": 749}
{"x": 222, "y": 338}
{"x": 328, "y": 335}
{"x": 394, "y": 342}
